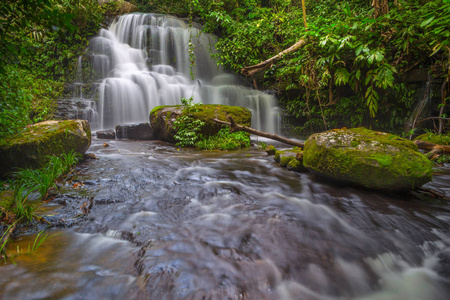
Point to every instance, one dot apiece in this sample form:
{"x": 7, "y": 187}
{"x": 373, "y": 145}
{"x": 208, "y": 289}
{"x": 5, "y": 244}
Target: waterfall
{"x": 143, "y": 61}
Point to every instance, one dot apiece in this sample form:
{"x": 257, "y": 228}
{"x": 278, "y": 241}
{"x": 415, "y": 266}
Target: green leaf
{"x": 426, "y": 22}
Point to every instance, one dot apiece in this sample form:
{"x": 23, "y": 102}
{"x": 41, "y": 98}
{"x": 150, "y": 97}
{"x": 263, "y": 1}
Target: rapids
{"x": 168, "y": 223}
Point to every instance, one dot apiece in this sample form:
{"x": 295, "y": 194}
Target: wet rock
{"x": 30, "y": 148}
{"x": 143, "y": 131}
{"x": 90, "y": 156}
{"x": 291, "y": 159}
{"x": 106, "y": 134}
{"x": 270, "y": 150}
{"x": 367, "y": 158}
{"x": 162, "y": 118}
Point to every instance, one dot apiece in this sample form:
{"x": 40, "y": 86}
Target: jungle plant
{"x": 22, "y": 208}
{"x": 188, "y": 128}
{"x": 225, "y": 140}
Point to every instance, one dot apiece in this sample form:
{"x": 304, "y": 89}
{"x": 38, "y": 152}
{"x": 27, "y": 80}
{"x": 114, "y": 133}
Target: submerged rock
{"x": 143, "y": 131}
{"x": 30, "y": 148}
{"x": 162, "y": 118}
{"x": 367, "y": 158}
{"x": 270, "y": 150}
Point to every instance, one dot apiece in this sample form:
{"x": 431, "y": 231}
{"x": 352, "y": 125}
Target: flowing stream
{"x": 168, "y": 223}
{"x": 147, "y": 220}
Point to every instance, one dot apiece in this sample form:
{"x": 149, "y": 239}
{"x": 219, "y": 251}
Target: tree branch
{"x": 255, "y": 69}
{"x": 236, "y": 127}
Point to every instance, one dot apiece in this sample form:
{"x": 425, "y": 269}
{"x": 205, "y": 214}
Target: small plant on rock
{"x": 188, "y": 128}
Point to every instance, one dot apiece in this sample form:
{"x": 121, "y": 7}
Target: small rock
{"x": 106, "y": 134}
{"x": 271, "y": 150}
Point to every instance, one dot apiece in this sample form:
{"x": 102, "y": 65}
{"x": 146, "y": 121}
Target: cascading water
{"x": 144, "y": 60}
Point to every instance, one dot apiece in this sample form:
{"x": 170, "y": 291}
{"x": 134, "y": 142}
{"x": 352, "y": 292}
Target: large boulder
{"x": 30, "y": 148}
{"x": 162, "y": 118}
{"x": 372, "y": 159}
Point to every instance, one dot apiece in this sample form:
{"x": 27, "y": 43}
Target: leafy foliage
{"x": 39, "y": 43}
{"x": 225, "y": 140}
{"x": 349, "y": 71}
{"x": 188, "y": 128}
{"x": 24, "y": 182}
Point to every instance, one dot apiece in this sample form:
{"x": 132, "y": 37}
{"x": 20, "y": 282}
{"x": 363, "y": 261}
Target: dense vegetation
{"x": 349, "y": 71}
{"x": 40, "y": 41}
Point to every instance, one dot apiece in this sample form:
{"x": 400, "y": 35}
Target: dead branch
{"x": 432, "y": 147}
{"x": 236, "y": 127}
{"x": 255, "y": 69}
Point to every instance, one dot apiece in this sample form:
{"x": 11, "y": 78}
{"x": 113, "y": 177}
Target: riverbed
{"x": 147, "y": 220}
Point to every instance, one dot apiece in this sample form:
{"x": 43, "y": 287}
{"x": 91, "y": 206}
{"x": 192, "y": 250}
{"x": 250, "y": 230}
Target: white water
{"x": 143, "y": 61}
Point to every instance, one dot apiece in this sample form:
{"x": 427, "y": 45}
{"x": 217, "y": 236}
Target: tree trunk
{"x": 255, "y": 69}
{"x": 431, "y": 147}
{"x": 381, "y": 7}
{"x": 304, "y": 13}
{"x": 236, "y": 127}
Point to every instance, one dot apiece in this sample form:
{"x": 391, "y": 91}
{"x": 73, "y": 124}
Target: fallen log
{"x": 432, "y": 147}
{"x": 255, "y": 69}
{"x": 236, "y": 127}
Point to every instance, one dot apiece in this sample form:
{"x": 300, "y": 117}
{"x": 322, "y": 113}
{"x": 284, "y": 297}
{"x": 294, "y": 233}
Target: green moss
{"x": 379, "y": 165}
{"x": 35, "y": 143}
{"x": 383, "y": 160}
{"x": 354, "y": 143}
{"x": 208, "y": 112}
{"x": 291, "y": 159}
{"x": 6, "y": 199}
{"x": 285, "y": 160}
{"x": 271, "y": 150}
{"x": 277, "y": 156}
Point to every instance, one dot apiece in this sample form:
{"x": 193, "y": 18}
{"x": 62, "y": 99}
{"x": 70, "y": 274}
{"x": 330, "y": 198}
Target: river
{"x": 169, "y": 223}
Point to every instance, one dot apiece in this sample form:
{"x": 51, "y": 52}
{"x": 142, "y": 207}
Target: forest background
{"x": 349, "y": 71}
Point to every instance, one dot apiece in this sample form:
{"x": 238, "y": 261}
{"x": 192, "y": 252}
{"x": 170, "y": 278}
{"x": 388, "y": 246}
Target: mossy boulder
{"x": 438, "y": 139}
{"x": 162, "y": 118}
{"x": 372, "y": 159}
{"x": 291, "y": 159}
{"x": 30, "y": 148}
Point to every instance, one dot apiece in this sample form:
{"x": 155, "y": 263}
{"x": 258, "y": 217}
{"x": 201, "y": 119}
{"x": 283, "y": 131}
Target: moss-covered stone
{"x": 291, "y": 159}
{"x": 438, "y": 139}
{"x": 162, "y": 118}
{"x": 6, "y": 199}
{"x": 30, "y": 148}
{"x": 371, "y": 159}
{"x": 271, "y": 150}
